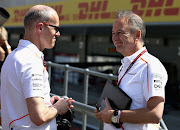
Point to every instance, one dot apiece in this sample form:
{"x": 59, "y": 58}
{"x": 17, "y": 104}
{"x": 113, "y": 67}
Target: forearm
{"x": 39, "y": 113}
{"x": 136, "y": 116}
{"x": 143, "y": 115}
{"x": 47, "y": 114}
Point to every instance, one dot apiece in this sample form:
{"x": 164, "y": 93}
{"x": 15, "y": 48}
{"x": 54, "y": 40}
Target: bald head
{"x": 38, "y": 13}
{"x": 37, "y": 26}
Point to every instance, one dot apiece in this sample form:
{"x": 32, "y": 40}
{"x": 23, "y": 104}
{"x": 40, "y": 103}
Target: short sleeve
{"x": 155, "y": 79}
{"x": 32, "y": 79}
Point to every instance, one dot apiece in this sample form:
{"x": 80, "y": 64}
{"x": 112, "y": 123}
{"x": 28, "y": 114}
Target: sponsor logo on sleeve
{"x": 37, "y": 81}
{"x": 157, "y": 81}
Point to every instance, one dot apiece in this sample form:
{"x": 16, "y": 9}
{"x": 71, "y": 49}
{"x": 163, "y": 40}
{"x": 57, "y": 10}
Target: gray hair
{"x": 34, "y": 16}
{"x": 135, "y": 22}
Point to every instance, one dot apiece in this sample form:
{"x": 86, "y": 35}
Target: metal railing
{"x": 83, "y": 107}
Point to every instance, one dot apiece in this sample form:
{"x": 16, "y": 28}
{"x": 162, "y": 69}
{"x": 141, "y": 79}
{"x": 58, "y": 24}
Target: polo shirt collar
{"x": 129, "y": 59}
{"x": 30, "y": 45}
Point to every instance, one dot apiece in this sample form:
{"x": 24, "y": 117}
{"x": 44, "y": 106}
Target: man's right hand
{"x": 64, "y": 105}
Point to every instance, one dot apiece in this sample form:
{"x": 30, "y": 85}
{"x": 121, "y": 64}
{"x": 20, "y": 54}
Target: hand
{"x": 98, "y": 115}
{"x": 3, "y": 34}
{"x": 106, "y": 114}
{"x": 2, "y": 54}
{"x": 6, "y": 45}
{"x": 2, "y": 43}
{"x": 54, "y": 98}
{"x": 64, "y": 105}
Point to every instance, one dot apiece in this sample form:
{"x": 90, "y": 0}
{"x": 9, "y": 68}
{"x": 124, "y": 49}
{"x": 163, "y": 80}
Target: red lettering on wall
{"x": 105, "y": 15}
{"x": 148, "y": 13}
{"x": 141, "y": 2}
{"x": 169, "y": 2}
{"x": 172, "y": 11}
{"x": 154, "y": 7}
{"x": 156, "y": 3}
{"x": 58, "y": 9}
{"x": 137, "y": 11}
{"x": 93, "y": 10}
{"x": 19, "y": 15}
{"x": 157, "y": 12}
{"x": 104, "y": 7}
{"x": 83, "y": 11}
{"x": 135, "y": 7}
{"x": 16, "y": 15}
{"x": 95, "y": 6}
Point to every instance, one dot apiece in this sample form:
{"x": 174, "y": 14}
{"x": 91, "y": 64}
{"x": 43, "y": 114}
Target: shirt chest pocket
{"x": 132, "y": 84}
{"x": 131, "y": 78}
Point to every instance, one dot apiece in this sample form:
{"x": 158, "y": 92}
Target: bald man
{"x": 26, "y": 102}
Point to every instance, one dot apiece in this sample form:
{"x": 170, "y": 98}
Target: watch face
{"x": 114, "y": 119}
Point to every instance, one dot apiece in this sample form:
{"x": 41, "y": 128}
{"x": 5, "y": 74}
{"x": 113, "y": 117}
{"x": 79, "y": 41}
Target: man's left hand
{"x": 106, "y": 114}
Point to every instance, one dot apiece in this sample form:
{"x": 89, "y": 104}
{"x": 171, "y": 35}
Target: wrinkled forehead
{"x": 120, "y": 24}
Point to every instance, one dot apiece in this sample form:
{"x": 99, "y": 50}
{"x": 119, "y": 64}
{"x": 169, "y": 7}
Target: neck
{"x": 133, "y": 50}
{"x": 33, "y": 40}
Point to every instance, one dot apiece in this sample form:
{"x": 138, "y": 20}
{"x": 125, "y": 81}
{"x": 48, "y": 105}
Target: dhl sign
{"x": 75, "y": 12}
{"x": 157, "y": 10}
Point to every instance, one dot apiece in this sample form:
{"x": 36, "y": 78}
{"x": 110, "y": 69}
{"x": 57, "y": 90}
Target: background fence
{"x": 83, "y": 107}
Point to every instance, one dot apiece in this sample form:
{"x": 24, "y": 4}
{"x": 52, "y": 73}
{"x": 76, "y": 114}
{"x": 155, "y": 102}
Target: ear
{"x": 138, "y": 35}
{"x": 39, "y": 28}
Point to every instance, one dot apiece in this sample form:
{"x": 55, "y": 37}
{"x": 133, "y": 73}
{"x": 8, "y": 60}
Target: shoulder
{"x": 151, "y": 60}
{"x": 26, "y": 57}
{"x": 155, "y": 67}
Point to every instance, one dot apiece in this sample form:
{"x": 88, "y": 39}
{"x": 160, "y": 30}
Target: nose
{"x": 58, "y": 34}
{"x": 114, "y": 37}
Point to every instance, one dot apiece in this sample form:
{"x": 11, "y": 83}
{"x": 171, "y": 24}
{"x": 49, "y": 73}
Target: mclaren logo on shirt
{"x": 37, "y": 81}
{"x": 157, "y": 79}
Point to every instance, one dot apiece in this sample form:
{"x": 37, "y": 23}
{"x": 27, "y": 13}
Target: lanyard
{"x": 118, "y": 83}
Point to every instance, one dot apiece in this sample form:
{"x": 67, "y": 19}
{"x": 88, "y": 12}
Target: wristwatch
{"x": 115, "y": 117}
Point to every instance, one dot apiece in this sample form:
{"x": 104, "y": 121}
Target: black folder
{"x": 117, "y": 98}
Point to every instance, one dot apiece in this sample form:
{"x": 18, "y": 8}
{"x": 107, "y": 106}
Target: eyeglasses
{"x": 55, "y": 27}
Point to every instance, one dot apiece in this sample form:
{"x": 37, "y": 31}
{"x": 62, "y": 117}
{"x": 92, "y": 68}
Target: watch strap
{"x": 115, "y": 112}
